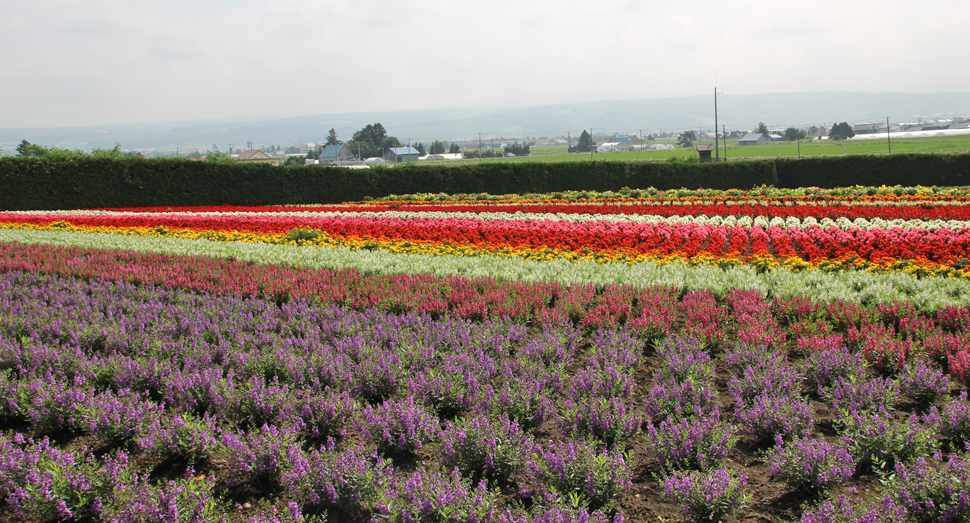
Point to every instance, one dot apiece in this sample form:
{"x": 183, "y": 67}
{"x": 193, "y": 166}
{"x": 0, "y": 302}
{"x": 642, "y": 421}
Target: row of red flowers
{"x": 942, "y": 246}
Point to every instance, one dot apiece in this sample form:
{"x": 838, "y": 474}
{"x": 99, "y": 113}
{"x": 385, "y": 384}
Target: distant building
{"x": 753, "y": 139}
{"x": 705, "y": 150}
{"x": 335, "y": 153}
{"x": 402, "y": 154}
{"x": 257, "y": 156}
{"x": 869, "y": 128}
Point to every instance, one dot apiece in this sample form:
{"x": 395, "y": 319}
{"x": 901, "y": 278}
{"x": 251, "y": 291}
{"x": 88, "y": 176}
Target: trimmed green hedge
{"x": 899, "y": 169}
{"x": 38, "y": 183}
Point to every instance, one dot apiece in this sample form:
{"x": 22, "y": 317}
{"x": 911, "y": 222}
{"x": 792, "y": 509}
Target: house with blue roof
{"x": 334, "y": 154}
{"x": 401, "y": 154}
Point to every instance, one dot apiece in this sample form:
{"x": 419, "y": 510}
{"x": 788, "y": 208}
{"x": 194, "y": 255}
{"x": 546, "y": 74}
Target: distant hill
{"x": 624, "y": 116}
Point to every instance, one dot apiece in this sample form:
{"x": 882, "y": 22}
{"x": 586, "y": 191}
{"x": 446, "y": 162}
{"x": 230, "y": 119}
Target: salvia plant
{"x": 697, "y": 443}
{"x": 810, "y": 466}
{"x": 433, "y": 497}
{"x": 768, "y": 416}
{"x": 485, "y": 448}
{"x": 683, "y": 360}
{"x": 577, "y": 472}
{"x": 953, "y": 421}
{"x": 398, "y": 425}
{"x": 824, "y": 367}
{"x": 932, "y": 490}
{"x": 324, "y": 478}
{"x": 744, "y": 356}
{"x": 845, "y": 510}
{"x": 878, "y": 442}
{"x": 671, "y": 399}
{"x": 608, "y": 380}
{"x": 608, "y": 421}
{"x": 324, "y": 414}
{"x": 707, "y": 496}
{"x": 862, "y": 395}
{"x": 260, "y": 458}
{"x": 524, "y": 401}
{"x": 557, "y": 514}
{"x": 187, "y": 500}
{"x": 773, "y": 376}
{"x": 42, "y": 483}
{"x": 184, "y": 437}
{"x": 922, "y": 382}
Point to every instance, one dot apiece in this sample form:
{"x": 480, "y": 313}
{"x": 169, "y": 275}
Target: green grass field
{"x": 950, "y": 144}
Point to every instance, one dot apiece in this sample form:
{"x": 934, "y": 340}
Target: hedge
{"x": 39, "y": 183}
{"x": 899, "y": 169}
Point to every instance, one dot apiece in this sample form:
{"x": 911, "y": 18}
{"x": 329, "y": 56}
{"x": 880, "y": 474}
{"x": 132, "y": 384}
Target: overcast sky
{"x": 90, "y": 62}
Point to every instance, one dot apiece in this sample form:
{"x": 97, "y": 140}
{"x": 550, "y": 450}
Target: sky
{"x": 96, "y": 62}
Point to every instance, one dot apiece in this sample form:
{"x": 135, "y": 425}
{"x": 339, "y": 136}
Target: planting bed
{"x": 526, "y": 361}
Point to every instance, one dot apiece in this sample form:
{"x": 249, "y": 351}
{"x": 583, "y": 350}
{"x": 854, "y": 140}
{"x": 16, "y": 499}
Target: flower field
{"x": 699, "y": 356}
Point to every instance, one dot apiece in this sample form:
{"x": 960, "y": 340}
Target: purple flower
{"x": 810, "y": 466}
{"x": 707, "y": 496}
{"x": 691, "y": 443}
{"x": 933, "y": 492}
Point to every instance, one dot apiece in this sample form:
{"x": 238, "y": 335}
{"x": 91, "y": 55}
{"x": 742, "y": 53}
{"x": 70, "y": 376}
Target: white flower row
{"x": 853, "y": 286}
{"x": 730, "y": 221}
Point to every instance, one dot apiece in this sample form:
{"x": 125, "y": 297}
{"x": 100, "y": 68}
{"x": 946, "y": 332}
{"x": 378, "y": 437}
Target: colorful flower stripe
{"x": 745, "y": 221}
{"x": 616, "y": 241}
{"x": 834, "y": 282}
{"x": 849, "y": 195}
{"x": 930, "y": 211}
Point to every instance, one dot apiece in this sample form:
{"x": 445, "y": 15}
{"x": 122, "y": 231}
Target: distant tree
{"x": 372, "y": 140}
{"x": 194, "y": 155}
{"x": 28, "y": 149}
{"x": 332, "y": 138}
{"x": 290, "y": 150}
{"x": 585, "y": 143}
{"x": 454, "y": 149}
{"x": 23, "y": 148}
{"x": 294, "y": 160}
{"x": 687, "y": 139}
{"x": 763, "y": 129}
{"x": 792, "y": 134}
{"x": 437, "y": 147}
{"x": 421, "y": 148}
{"x": 218, "y": 156}
{"x": 517, "y": 149}
{"x": 813, "y": 131}
{"x": 841, "y": 131}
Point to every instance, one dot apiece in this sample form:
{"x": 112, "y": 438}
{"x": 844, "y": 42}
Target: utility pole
{"x": 889, "y": 139}
{"x": 724, "y": 132}
{"x": 717, "y": 150}
{"x": 480, "y": 148}
{"x": 593, "y": 142}
{"x": 569, "y": 142}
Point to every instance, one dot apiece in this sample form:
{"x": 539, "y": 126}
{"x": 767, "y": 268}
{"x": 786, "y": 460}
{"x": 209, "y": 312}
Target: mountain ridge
{"x": 607, "y": 116}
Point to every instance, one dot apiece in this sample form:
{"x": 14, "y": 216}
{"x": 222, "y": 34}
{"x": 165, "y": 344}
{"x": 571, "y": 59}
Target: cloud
{"x": 112, "y": 61}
